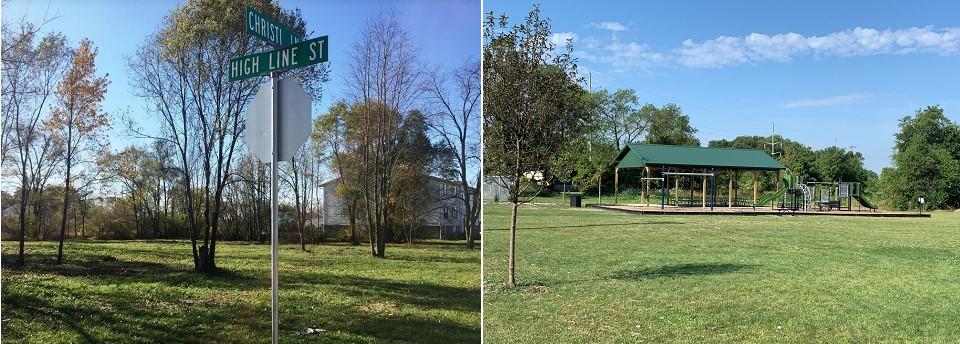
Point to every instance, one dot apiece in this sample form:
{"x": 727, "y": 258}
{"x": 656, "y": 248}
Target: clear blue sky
{"x": 735, "y": 67}
{"x": 446, "y": 32}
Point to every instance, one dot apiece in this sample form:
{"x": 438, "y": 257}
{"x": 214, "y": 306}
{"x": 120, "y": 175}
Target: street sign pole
{"x": 274, "y": 236}
{"x": 290, "y": 51}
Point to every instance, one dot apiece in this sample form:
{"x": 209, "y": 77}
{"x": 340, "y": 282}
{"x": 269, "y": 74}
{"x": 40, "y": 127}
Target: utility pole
{"x": 600, "y": 177}
{"x": 773, "y": 143}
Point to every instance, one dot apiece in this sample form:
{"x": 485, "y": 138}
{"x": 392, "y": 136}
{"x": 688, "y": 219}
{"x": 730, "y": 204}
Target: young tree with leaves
{"x": 329, "y": 133}
{"x": 530, "y": 93}
{"x": 78, "y": 118}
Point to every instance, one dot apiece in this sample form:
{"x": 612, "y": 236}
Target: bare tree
{"x": 30, "y": 74}
{"x": 298, "y": 176}
{"x": 456, "y": 121}
{"x": 383, "y": 75}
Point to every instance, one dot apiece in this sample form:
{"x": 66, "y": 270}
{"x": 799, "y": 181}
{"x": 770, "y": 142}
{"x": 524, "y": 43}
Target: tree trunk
{"x": 24, "y": 197}
{"x": 354, "y": 240}
{"x": 38, "y": 212}
{"x": 511, "y": 260}
{"x": 66, "y": 198}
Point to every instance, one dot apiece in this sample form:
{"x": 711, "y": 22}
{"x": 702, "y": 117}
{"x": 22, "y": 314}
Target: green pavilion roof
{"x": 638, "y": 155}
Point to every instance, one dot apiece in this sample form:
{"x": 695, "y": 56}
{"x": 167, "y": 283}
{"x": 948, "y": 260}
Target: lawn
{"x": 144, "y": 291}
{"x": 589, "y": 275}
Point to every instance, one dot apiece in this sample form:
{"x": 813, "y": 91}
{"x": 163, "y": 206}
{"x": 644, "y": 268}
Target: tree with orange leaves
{"x": 78, "y": 118}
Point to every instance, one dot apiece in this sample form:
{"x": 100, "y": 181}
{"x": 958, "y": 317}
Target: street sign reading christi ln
{"x": 297, "y": 55}
{"x": 269, "y": 30}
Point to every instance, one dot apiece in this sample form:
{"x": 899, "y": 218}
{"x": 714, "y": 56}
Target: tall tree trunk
{"x": 38, "y": 212}
{"x": 354, "y": 240}
{"x": 66, "y": 199}
{"x": 24, "y": 197}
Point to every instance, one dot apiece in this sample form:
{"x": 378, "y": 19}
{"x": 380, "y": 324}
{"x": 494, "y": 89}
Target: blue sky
{"x": 446, "y": 32}
{"x": 825, "y": 72}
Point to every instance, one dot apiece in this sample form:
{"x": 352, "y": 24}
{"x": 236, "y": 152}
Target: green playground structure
{"x": 798, "y": 195}
{"x": 864, "y": 201}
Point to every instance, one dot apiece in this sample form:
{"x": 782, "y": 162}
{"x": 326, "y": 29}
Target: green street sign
{"x": 269, "y": 30}
{"x": 295, "y": 56}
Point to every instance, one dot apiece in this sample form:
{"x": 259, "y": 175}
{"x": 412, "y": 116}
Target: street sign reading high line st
{"x": 297, "y": 55}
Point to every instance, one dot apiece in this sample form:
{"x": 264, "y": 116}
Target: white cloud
{"x": 622, "y": 56}
{"x": 835, "y": 100}
{"x": 559, "y": 39}
{"x": 755, "y": 47}
{"x": 612, "y": 26}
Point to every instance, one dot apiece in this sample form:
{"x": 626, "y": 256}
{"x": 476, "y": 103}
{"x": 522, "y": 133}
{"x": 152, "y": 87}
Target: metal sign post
{"x": 287, "y": 114}
{"x": 274, "y": 213}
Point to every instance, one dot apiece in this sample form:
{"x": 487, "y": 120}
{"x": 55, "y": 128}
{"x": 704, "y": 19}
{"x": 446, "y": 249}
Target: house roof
{"x": 637, "y": 155}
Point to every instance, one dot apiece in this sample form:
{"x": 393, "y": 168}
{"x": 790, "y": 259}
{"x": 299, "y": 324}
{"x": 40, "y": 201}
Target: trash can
{"x": 575, "y": 201}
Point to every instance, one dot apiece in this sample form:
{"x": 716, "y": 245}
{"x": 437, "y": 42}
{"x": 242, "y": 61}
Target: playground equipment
{"x": 798, "y": 195}
{"x": 839, "y": 195}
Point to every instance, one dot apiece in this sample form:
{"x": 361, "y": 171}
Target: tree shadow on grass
{"x": 110, "y": 270}
{"x": 425, "y": 295}
{"x": 88, "y": 265}
{"x": 384, "y": 324}
{"x": 458, "y": 245}
{"x": 681, "y": 270}
{"x": 665, "y": 271}
{"x": 116, "y": 315}
{"x": 435, "y": 259}
{"x": 594, "y": 225}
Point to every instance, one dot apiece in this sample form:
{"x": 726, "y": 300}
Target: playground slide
{"x": 864, "y": 201}
{"x": 788, "y": 180}
{"x": 770, "y": 198}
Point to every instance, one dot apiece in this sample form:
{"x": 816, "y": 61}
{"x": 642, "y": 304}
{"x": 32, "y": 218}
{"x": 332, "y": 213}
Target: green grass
{"x": 144, "y": 291}
{"x": 589, "y": 275}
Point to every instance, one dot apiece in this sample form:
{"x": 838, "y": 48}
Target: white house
{"x": 442, "y": 218}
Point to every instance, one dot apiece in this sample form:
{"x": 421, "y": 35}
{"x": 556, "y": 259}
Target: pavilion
{"x": 668, "y": 163}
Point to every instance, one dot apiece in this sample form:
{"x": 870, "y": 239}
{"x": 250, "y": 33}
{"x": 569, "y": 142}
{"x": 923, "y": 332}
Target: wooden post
{"x": 779, "y": 181}
{"x": 703, "y": 194}
{"x": 616, "y": 185}
{"x": 756, "y": 185}
{"x": 676, "y": 191}
{"x": 646, "y": 192}
{"x": 730, "y": 191}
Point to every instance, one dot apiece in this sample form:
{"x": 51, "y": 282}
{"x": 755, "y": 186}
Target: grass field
{"x": 589, "y": 275}
{"x": 144, "y": 291}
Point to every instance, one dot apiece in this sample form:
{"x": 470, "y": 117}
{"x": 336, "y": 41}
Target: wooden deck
{"x": 745, "y": 211}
